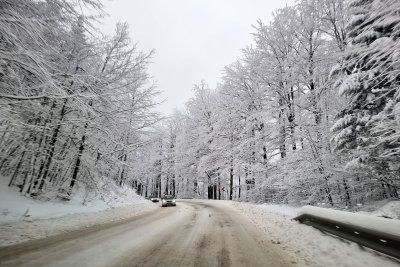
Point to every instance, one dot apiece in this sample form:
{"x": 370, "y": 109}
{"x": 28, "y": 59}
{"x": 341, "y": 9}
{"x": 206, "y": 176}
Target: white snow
{"x": 309, "y": 243}
{"x": 283, "y": 209}
{"x": 23, "y": 218}
{"x": 384, "y": 208}
{"x": 389, "y": 226}
{"x": 15, "y": 207}
{"x": 28, "y": 229}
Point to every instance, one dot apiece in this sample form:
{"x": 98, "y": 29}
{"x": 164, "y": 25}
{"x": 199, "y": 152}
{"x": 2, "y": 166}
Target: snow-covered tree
{"x": 75, "y": 106}
{"x": 368, "y": 127}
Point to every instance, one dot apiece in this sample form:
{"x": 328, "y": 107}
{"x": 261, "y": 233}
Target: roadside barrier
{"x": 380, "y": 234}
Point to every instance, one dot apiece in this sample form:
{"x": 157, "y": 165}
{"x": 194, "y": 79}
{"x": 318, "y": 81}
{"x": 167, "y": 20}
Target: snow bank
{"x": 283, "y": 209}
{"x": 383, "y": 208}
{"x": 390, "y": 209}
{"x": 370, "y": 222}
{"x": 15, "y": 207}
{"x": 23, "y": 218}
{"x": 309, "y": 243}
{"x": 27, "y": 229}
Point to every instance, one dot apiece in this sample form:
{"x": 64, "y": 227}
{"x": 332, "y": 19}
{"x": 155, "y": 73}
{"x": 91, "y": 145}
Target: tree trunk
{"x": 173, "y": 185}
{"x": 122, "y": 179}
{"x": 52, "y": 144}
{"x": 167, "y": 184}
{"x": 231, "y": 183}
{"x": 346, "y": 189}
{"x": 15, "y": 174}
{"x": 282, "y": 131}
{"x": 219, "y": 187}
{"x": 78, "y": 160}
{"x": 239, "y": 186}
{"x": 291, "y": 118}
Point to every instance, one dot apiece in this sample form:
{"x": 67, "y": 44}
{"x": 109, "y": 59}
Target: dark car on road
{"x": 168, "y": 200}
{"x": 153, "y": 198}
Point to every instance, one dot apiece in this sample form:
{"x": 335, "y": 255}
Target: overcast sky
{"x": 194, "y": 39}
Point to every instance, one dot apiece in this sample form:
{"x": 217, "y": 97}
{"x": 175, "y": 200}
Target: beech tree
{"x": 75, "y": 105}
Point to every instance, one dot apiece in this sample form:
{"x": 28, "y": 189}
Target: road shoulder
{"x": 16, "y": 232}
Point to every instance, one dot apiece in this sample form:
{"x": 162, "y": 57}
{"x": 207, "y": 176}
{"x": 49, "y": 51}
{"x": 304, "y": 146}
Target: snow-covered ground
{"x": 23, "y": 218}
{"x": 308, "y": 242}
{"x": 384, "y": 208}
{"x": 363, "y": 221}
{"x": 15, "y": 207}
{"x": 27, "y": 229}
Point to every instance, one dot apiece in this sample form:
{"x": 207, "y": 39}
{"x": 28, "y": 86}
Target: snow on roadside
{"x": 15, "y": 207}
{"x": 309, "y": 242}
{"x": 283, "y": 209}
{"x": 383, "y": 208}
{"x": 364, "y": 221}
{"x": 24, "y": 230}
{"x": 23, "y": 218}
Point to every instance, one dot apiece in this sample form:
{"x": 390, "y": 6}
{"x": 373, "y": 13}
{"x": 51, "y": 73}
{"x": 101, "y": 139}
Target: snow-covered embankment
{"x": 23, "y": 219}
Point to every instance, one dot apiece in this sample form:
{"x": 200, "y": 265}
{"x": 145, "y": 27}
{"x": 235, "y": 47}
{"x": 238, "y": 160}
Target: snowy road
{"x": 195, "y": 233}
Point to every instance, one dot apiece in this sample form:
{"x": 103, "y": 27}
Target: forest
{"x": 309, "y": 114}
